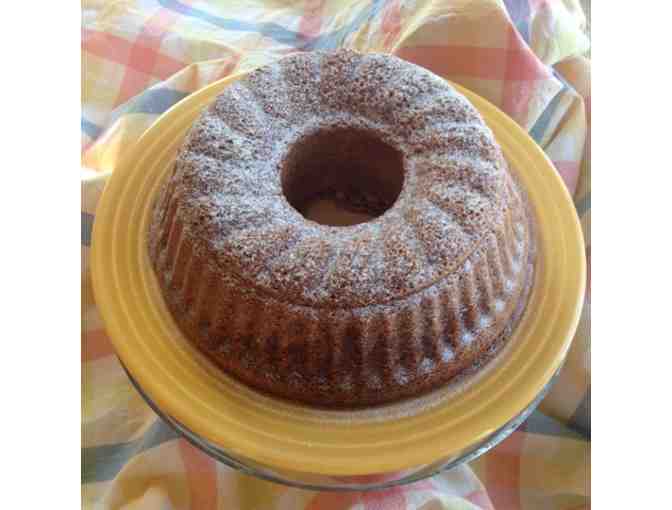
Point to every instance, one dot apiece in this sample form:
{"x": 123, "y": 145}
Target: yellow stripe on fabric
{"x": 92, "y": 187}
{"x": 112, "y": 410}
{"x": 250, "y": 492}
{"x": 533, "y": 499}
{"x": 196, "y": 76}
{"x": 153, "y": 479}
{"x": 119, "y": 425}
{"x": 117, "y": 141}
{"x": 108, "y": 16}
{"x": 576, "y": 71}
{"x": 478, "y": 466}
{"x": 551, "y": 469}
{"x": 101, "y": 79}
{"x": 92, "y": 494}
{"x": 415, "y": 16}
{"x": 340, "y": 14}
{"x": 446, "y": 502}
{"x": 339, "y": 11}
{"x": 461, "y": 24}
{"x": 227, "y": 486}
{"x": 556, "y": 31}
{"x": 206, "y": 46}
{"x": 459, "y": 477}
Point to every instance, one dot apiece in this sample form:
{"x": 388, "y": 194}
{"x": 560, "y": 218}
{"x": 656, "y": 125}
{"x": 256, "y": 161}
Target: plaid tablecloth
{"x": 140, "y": 57}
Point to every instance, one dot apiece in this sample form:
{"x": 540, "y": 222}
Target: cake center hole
{"x": 342, "y": 176}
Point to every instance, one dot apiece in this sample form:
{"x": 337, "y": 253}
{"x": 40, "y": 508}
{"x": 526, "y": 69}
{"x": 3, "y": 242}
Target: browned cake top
{"x": 401, "y": 140}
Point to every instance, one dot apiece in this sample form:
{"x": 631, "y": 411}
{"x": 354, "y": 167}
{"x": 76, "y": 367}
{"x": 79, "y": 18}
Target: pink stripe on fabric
{"x": 143, "y": 62}
{"x": 201, "y": 474}
{"x": 310, "y": 23}
{"x": 117, "y": 49}
{"x": 503, "y": 473}
{"x": 388, "y": 499}
{"x": 230, "y": 66}
{"x": 569, "y": 171}
{"x": 523, "y": 70}
{"x": 107, "y": 46}
{"x": 422, "y": 485}
{"x": 393, "y": 498}
{"x": 391, "y": 24}
{"x": 334, "y": 501}
{"x": 96, "y": 345}
{"x": 133, "y": 83}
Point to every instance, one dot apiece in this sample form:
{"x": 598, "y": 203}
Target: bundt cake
{"x": 424, "y": 291}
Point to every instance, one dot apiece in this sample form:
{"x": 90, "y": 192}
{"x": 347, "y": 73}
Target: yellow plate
{"x": 285, "y": 436}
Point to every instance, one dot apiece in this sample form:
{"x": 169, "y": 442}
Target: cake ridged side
{"x": 345, "y": 358}
{"x": 369, "y": 314}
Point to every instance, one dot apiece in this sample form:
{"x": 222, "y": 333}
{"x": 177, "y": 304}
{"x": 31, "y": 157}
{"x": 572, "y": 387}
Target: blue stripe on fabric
{"x": 277, "y": 32}
{"x": 100, "y": 463}
{"x": 272, "y": 30}
{"x": 580, "y": 421}
{"x": 335, "y": 39}
{"x": 519, "y": 11}
{"x": 87, "y": 227}
{"x": 583, "y": 205}
{"x": 155, "y": 101}
{"x": 539, "y": 423}
{"x": 539, "y": 128}
{"x": 91, "y": 129}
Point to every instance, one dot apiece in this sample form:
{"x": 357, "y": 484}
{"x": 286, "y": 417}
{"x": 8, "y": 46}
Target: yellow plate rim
{"x": 275, "y": 433}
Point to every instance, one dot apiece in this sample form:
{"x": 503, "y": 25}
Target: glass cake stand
{"x": 344, "y": 484}
{"x": 291, "y": 444}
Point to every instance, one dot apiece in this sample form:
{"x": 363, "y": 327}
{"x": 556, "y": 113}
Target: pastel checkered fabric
{"x": 141, "y": 57}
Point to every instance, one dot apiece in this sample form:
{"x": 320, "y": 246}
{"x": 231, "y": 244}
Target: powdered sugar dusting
{"x": 365, "y": 292}
{"x": 410, "y": 109}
